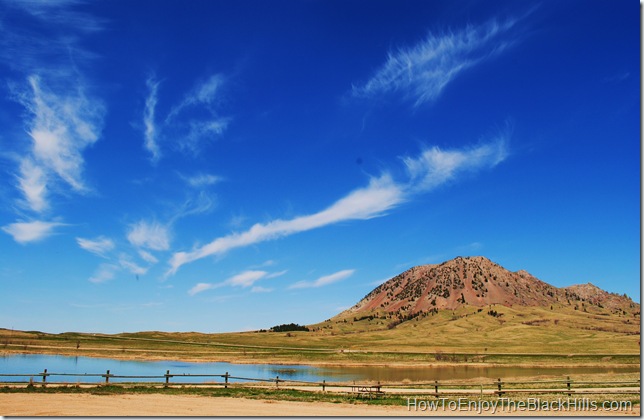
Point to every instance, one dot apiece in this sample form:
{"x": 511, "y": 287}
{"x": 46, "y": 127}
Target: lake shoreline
{"x": 318, "y": 363}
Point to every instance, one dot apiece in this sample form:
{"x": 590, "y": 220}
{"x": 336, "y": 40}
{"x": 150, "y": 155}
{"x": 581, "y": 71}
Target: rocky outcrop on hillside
{"x": 479, "y": 282}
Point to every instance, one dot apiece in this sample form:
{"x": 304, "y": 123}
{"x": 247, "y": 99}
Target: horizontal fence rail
{"x": 499, "y": 387}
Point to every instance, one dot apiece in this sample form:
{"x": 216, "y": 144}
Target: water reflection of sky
{"x": 35, "y": 363}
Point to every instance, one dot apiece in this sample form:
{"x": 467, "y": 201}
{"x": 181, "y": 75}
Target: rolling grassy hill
{"x": 464, "y": 310}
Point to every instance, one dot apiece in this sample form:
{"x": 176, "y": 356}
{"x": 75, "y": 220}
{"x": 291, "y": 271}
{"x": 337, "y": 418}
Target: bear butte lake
{"x": 32, "y": 364}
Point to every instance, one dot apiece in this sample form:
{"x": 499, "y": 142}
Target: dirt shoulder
{"x": 176, "y": 405}
{"x": 188, "y": 405}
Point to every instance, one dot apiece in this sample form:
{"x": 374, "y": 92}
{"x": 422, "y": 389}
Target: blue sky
{"x": 223, "y": 166}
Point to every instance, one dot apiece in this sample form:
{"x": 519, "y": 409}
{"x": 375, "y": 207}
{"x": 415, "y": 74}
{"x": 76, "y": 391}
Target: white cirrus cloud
{"x": 246, "y": 279}
{"x": 149, "y": 235}
{"x": 32, "y": 181}
{"x": 150, "y": 128}
{"x": 196, "y": 118}
{"x": 199, "y": 203}
{"x": 201, "y": 180}
{"x": 61, "y": 126}
{"x": 191, "y": 122}
{"x": 126, "y": 263}
{"x": 203, "y": 93}
{"x": 323, "y": 281}
{"x": 99, "y": 246}
{"x": 435, "y": 167}
{"x": 46, "y": 36}
{"x": 34, "y": 231}
{"x": 41, "y": 41}
{"x": 103, "y": 273}
{"x": 260, "y": 289}
{"x": 59, "y": 13}
{"x": 148, "y": 257}
{"x": 200, "y": 287}
{"x": 422, "y": 71}
{"x": 372, "y": 201}
{"x": 432, "y": 168}
{"x": 276, "y": 274}
{"x": 193, "y": 134}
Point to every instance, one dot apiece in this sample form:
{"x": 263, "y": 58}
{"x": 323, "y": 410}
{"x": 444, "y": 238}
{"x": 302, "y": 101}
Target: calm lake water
{"x": 33, "y": 364}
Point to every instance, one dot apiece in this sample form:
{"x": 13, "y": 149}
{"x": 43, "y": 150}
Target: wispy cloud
{"x": 244, "y": 279}
{"x": 197, "y": 132}
{"x": 277, "y": 274}
{"x": 108, "y": 270}
{"x": 61, "y": 127}
{"x": 323, "y": 281}
{"x": 150, "y": 130}
{"x": 59, "y": 12}
{"x": 247, "y": 278}
{"x": 201, "y": 180}
{"x": 422, "y": 71}
{"x": 103, "y": 273}
{"x": 205, "y": 93}
{"x": 46, "y": 36}
{"x": 148, "y": 257}
{"x": 190, "y": 123}
{"x": 200, "y": 287}
{"x": 260, "y": 289}
{"x": 41, "y": 41}
{"x": 126, "y": 263}
{"x": 434, "y": 167}
{"x": 149, "y": 235}
{"x": 99, "y": 246}
{"x": 32, "y": 181}
{"x": 25, "y": 232}
{"x": 374, "y": 200}
{"x": 199, "y": 203}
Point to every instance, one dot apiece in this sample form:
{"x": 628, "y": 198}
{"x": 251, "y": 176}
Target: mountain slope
{"x": 478, "y": 282}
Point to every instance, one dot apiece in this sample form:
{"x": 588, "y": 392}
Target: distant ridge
{"x": 478, "y": 282}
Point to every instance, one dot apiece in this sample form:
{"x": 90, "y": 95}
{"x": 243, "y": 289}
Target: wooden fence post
{"x": 277, "y": 381}
{"x": 167, "y": 378}
{"x": 323, "y": 384}
{"x": 226, "y": 380}
{"x": 568, "y": 384}
{"x": 107, "y": 377}
{"x": 44, "y": 377}
{"x": 499, "y": 385}
{"x": 436, "y": 387}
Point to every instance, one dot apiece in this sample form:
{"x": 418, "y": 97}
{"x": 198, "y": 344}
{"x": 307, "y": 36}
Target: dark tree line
{"x": 289, "y": 327}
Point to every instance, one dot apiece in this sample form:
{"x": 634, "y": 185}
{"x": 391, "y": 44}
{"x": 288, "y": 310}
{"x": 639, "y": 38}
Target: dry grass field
{"x": 520, "y": 335}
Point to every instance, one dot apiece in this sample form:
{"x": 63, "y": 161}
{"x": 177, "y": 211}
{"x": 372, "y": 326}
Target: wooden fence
{"x": 498, "y": 387}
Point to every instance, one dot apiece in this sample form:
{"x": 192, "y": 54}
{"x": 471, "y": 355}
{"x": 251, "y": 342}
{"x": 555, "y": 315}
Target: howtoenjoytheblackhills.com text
{"x": 507, "y": 405}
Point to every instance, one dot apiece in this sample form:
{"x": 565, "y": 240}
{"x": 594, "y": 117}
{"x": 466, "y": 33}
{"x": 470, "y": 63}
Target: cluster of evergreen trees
{"x": 289, "y": 327}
